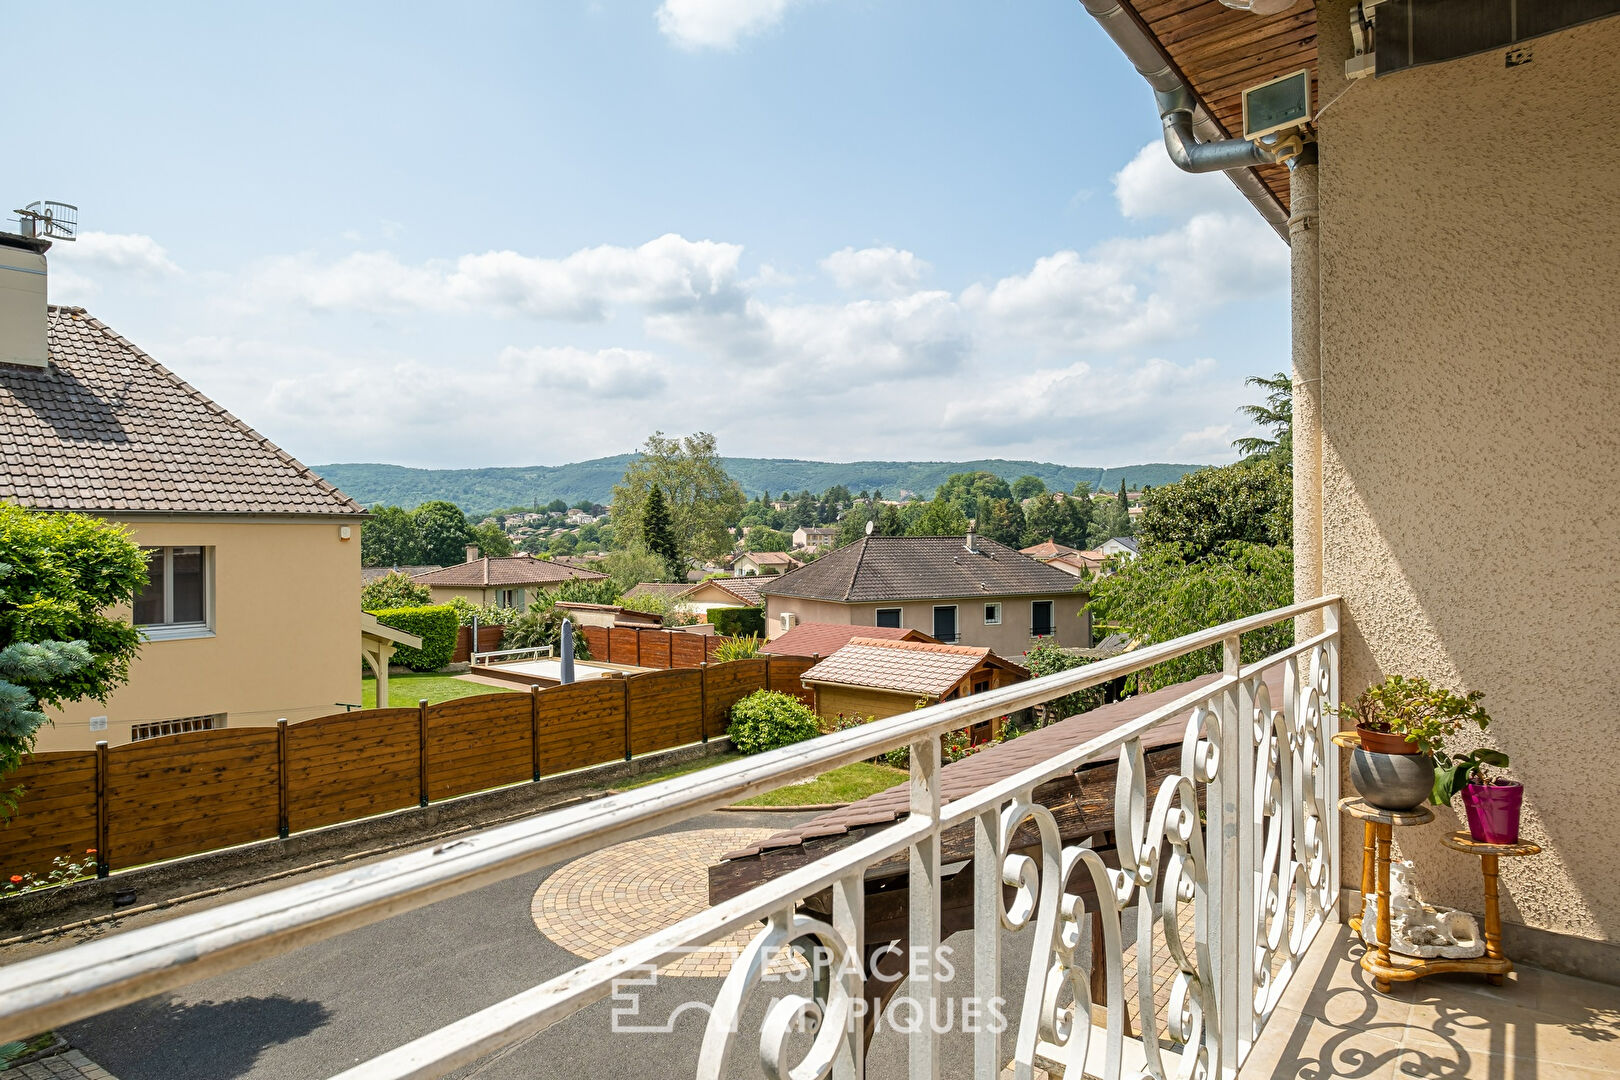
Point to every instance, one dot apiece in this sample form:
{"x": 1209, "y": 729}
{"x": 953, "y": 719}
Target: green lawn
{"x": 682, "y": 769}
{"x": 842, "y": 785}
{"x": 404, "y": 691}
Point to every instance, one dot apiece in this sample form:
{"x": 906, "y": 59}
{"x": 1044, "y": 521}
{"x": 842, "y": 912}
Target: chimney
{"x": 472, "y": 552}
{"x": 972, "y": 544}
{"x": 22, "y": 300}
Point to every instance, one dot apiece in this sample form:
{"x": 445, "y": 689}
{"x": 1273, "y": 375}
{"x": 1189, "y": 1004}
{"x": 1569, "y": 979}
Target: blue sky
{"x": 489, "y": 234}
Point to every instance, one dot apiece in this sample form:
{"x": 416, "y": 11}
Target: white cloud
{"x": 603, "y": 373}
{"x": 884, "y": 270}
{"x": 78, "y": 268}
{"x": 1150, "y": 186}
{"x": 668, "y": 273}
{"x": 717, "y": 24}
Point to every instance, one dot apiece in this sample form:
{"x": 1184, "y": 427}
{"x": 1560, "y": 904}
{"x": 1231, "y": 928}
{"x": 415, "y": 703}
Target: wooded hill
{"x": 480, "y": 490}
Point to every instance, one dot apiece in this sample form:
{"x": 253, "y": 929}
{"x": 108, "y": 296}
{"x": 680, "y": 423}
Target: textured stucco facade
{"x": 1470, "y": 418}
{"x": 1010, "y": 638}
{"x": 285, "y": 638}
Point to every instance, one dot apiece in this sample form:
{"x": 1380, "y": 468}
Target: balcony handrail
{"x": 47, "y": 991}
{"x": 537, "y": 650}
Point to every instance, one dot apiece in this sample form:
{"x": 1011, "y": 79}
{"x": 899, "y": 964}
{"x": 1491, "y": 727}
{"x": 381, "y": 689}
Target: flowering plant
{"x": 64, "y": 868}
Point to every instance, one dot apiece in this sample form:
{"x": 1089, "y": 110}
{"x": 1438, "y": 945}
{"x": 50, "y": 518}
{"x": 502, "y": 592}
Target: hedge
{"x": 738, "y": 621}
{"x": 437, "y": 626}
{"x": 767, "y": 719}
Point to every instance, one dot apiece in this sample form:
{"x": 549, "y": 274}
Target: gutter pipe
{"x": 1193, "y": 139}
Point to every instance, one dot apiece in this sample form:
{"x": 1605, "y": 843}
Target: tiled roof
{"x": 881, "y": 568}
{"x": 505, "y": 571}
{"x": 107, "y": 429}
{"x": 745, "y": 589}
{"x": 906, "y": 667}
{"x": 769, "y": 558}
{"x": 658, "y": 588}
{"x": 978, "y": 771}
{"x": 824, "y": 639}
{"x": 372, "y": 573}
{"x": 1047, "y": 549}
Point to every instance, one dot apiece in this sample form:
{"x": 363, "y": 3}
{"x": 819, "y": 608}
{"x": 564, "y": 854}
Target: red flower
{"x": 15, "y": 878}
{"x": 89, "y": 851}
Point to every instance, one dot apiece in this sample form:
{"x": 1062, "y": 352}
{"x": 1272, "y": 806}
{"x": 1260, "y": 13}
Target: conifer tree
{"x": 659, "y": 534}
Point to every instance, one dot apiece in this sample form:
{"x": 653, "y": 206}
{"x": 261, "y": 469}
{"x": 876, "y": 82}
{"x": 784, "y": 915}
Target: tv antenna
{"x": 869, "y": 525}
{"x": 48, "y": 220}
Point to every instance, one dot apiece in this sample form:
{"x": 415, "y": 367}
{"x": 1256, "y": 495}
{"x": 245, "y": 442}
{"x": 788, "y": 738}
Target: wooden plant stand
{"x": 1390, "y": 967}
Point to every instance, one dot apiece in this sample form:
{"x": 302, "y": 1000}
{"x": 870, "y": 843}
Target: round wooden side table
{"x": 1488, "y": 854}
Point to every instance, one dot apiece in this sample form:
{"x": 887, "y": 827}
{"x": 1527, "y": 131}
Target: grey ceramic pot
{"x": 1392, "y": 781}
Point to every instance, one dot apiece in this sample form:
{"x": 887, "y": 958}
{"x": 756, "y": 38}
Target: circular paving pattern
{"x": 620, "y": 894}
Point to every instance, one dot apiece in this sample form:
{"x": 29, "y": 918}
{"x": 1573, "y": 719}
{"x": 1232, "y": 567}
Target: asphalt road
{"x": 314, "y": 1012}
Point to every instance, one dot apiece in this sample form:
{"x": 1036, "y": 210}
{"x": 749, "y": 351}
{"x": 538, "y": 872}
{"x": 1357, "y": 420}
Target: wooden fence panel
{"x": 474, "y": 743}
{"x": 596, "y": 640}
{"x": 56, "y": 815}
{"x": 666, "y": 710}
{"x": 785, "y": 675}
{"x": 351, "y": 765}
{"x": 581, "y": 724}
{"x": 625, "y": 645}
{"x": 489, "y": 639}
{"x": 655, "y": 648}
{"x": 724, "y": 686}
{"x": 688, "y": 650}
{"x": 184, "y": 794}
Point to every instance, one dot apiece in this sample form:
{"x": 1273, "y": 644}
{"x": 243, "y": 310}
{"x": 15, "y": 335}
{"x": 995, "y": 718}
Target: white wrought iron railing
{"x": 533, "y": 652}
{"x": 1243, "y": 833}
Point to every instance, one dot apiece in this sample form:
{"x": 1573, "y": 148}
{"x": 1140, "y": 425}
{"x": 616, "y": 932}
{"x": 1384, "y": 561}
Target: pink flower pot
{"x": 1493, "y": 811}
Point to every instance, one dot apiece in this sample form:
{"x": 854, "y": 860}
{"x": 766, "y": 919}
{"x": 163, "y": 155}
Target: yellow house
{"x": 252, "y": 612}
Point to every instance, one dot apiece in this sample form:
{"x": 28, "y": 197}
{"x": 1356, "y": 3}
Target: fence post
{"x": 281, "y": 778}
{"x": 627, "y": 704}
{"x": 767, "y": 671}
{"x": 608, "y": 659}
{"x": 703, "y": 696}
{"x": 103, "y": 855}
{"x": 534, "y": 729}
{"x": 638, "y": 646}
{"x": 422, "y": 751}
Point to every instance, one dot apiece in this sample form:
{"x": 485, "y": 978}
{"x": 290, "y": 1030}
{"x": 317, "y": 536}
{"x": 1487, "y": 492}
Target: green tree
{"x": 442, "y": 533}
{"x": 1123, "y": 499}
{"x": 1004, "y": 523}
{"x": 762, "y": 538}
{"x": 1164, "y": 593}
{"x": 659, "y": 534}
{"x": 563, "y": 544}
{"x": 1109, "y": 519}
{"x": 628, "y": 567}
{"x": 940, "y": 517}
{"x": 388, "y": 538}
{"x": 1027, "y": 487}
{"x": 59, "y": 575}
{"x": 804, "y": 512}
{"x": 966, "y": 491}
{"x": 556, "y": 506}
{"x": 394, "y": 590}
{"x": 491, "y": 540}
{"x": 1060, "y": 518}
{"x": 704, "y": 501}
{"x": 1276, "y": 415}
{"x": 1252, "y": 502}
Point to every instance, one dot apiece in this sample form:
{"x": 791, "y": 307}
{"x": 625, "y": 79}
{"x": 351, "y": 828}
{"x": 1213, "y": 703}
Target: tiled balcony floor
{"x": 1537, "y": 1026}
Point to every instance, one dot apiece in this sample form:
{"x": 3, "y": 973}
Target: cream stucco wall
{"x": 286, "y": 638}
{"x": 1470, "y": 304}
{"x": 1010, "y": 638}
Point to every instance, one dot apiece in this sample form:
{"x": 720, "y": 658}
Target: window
{"x": 509, "y": 598}
{"x": 176, "y": 601}
{"x": 1040, "y": 618}
{"x": 888, "y": 616}
{"x": 992, "y": 614}
{"x": 156, "y": 729}
{"x": 945, "y": 623}
{"x": 981, "y": 687}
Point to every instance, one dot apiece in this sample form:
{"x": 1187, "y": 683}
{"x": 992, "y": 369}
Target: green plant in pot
{"x": 1403, "y": 723}
{"x": 1491, "y": 803}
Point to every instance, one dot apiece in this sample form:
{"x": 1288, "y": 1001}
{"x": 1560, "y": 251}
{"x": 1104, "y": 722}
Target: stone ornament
{"x": 1416, "y": 928}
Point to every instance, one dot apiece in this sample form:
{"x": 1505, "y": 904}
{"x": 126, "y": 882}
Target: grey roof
{"x": 879, "y": 568}
{"x": 107, "y": 429}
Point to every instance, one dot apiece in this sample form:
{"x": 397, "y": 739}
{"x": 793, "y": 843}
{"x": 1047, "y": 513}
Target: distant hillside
{"x": 480, "y": 490}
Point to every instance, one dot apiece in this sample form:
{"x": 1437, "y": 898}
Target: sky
{"x": 514, "y": 234}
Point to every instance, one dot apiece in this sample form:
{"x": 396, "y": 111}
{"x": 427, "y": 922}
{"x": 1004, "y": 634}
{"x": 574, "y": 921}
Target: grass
{"x": 842, "y": 785}
{"x": 404, "y": 691}
{"x": 682, "y": 769}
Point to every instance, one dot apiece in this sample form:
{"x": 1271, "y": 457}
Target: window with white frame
{"x": 992, "y": 614}
{"x": 177, "y": 600}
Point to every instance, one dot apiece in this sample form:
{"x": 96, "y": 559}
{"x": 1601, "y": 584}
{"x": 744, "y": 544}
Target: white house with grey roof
{"x": 960, "y": 590}
{"x": 253, "y": 610}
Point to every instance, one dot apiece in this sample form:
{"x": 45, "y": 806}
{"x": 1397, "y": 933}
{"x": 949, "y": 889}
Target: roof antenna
{"x": 47, "y": 220}
{"x": 869, "y": 525}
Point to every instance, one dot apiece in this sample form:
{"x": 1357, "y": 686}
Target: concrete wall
{"x": 1470, "y": 257}
{"x": 286, "y": 638}
{"x": 1071, "y": 621}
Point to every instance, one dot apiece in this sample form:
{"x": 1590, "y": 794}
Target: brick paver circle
{"x": 617, "y": 895}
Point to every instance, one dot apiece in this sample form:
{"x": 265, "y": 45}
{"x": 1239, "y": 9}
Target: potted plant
{"x": 1491, "y": 803}
{"x": 1403, "y": 723}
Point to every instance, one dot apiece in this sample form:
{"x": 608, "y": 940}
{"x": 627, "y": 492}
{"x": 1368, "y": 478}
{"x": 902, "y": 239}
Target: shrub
{"x": 394, "y": 590}
{"x": 738, "y": 621}
{"x": 765, "y": 720}
{"x": 738, "y": 648}
{"x": 436, "y": 625}
{"x": 1046, "y": 657}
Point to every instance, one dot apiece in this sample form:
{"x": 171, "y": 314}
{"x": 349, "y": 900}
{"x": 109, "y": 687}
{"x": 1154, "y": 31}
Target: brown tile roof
{"x": 506, "y": 570}
{"x": 372, "y": 573}
{"x": 980, "y": 770}
{"x": 824, "y": 639}
{"x": 107, "y": 429}
{"x": 770, "y": 558}
{"x": 883, "y": 568}
{"x": 906, "y": 667}
{"x": 745, "y": 589}
{"x": 1047, "y": 549}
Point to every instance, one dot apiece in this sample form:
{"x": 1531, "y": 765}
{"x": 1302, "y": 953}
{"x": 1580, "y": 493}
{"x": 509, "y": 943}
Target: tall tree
{"x": 765, "y": 538}
{"x": 1123, "y": 500}
{"x": 941, "y": 517}
{"x": 1027, "y": 487}
{"x": 60, "y": 575}
{"x": 1064, "y": 519}
{"x": 967, "y": 490}
{"x": 1251, "y": 502}
{"x": 388, "y": 538}
{"x": 659, "y": 534}
{"x": 491, "y": 540}
{"x": 1005, "y": 522}
{"x": 442, "y": 533}
{"x": 704, "y": 501}
{"x": 1276, "y": 415}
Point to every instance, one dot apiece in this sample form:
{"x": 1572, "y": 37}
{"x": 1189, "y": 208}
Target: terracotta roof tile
{"x": 106, "y": 428}
{"x": 909, "y": 667}
{"x": 824, "y": 639}
{"x": 508, "y": 570}
{"x": 882, "y": 568}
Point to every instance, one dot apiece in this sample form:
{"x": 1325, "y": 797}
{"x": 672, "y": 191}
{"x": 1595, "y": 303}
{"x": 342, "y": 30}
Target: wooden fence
{"x": 187, "y": 794}
{"x": 489, "y": 639}
{"x": 651, "y": 648}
